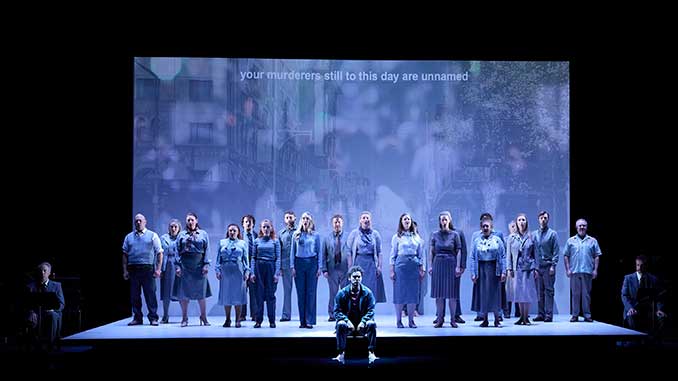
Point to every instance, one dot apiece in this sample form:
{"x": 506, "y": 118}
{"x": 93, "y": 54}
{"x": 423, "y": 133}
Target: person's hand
{"x": 430, "y": 270}
{"x": 218, "y": 275}
{"x": 294, "y": 273}
{"x": 474, "y": 278}
{"x": 392, "y": 275}
{"x": 318, "y": 273}
{"x": 552, "y": 270}
{"x": 253, "y": 278}
{"x": 379, "y": 270}
{"x": 568, "y": 273}
{"x": 156, "y": 274}
{"x": 661, "y": 314}
{"x": 536, "y": 274}
{"x": 503, "y": 277}
{"x": 350, "y": 326}
{"x": 178, "y": 271}
{"x": 421, "y": 273}
{"x": 595, "y": 274}
{"x": 458, "y": 271}
{"x": 326, "y": 274}
{"x": 275, "y": 278}
{"x": 510, "y": 273}
{"x": 361, "y": 326}
{"x": 125, "y": 275}
{"x": 632, "y": 311}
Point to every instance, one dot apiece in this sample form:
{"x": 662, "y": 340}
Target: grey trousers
{"x": 580, "y": 288}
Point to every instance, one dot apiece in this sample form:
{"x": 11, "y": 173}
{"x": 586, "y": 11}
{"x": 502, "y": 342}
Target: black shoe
{"x": 479, "y": 318}
{"x": 302, "y": 325}
{"x": 539, "y": 318}
{"x": 484, "y": 324}
{"x": 135, "y": 322}
{"x": 309, "y": 326}
{"x": 154, "y": 322}
{"x": 331, "y": 319}
{"x": 272, "y": 325}
{"x": 453, "y": 325}
{"x": 519, "y": 322}
{"x": 412, "y": 325}
{"x": 527, "y": 321}
{"x": 227, "y": 324}
{"x": 547, "y": 320}
{"x": 500, "y": 318}
{"x": 574, "y": 319}
{"x": 497, "y": 324}
{"x": 459, "y": 320}
{"x": 165, "y": 320}
{"x": 400, "y": 324}
{"x": 285, "y": 319}
{"x": 257, "y": 325}
{"x": 588, "y": 320}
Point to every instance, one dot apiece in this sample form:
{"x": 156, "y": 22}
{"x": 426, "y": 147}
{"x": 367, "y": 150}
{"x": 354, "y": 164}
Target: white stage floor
{"x": 386, "y": 327}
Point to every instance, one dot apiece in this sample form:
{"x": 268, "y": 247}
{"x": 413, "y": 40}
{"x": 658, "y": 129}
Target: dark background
{"x": 75, "y": 172}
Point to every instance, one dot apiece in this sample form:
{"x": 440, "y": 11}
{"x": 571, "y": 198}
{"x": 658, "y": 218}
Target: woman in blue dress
{"x": 232, "y": 270}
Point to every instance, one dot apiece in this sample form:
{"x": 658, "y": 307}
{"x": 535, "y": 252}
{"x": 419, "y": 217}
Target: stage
{"x": 324, "y": 330}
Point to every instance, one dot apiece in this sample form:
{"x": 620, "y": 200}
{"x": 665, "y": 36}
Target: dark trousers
{"x": 336, "y": 279}
{"x": 545, "y": 291}
{"x": 370, "y": 332}
{"x": 306, "y": 283}
{"x": 265, "y": 290}
{"x": 141, "y": 279}
{"x": 580, "y": 287}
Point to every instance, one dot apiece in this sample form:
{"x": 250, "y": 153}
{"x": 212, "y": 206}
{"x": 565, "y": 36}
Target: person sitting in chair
{"x": 45, "y": 320}
{"x": 641, "y": 295}
{"x": 354, "y": 312}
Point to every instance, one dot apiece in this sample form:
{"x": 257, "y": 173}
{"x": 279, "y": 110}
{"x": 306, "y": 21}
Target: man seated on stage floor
{"x": 44, "y": 311}
{"x": 642, "y": 296}
{"x": 354, "y": 312}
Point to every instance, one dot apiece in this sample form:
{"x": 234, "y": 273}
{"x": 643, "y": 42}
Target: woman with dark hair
{"x": 192, "y": 268}
{"x": 445, "y": 268}
{"x": 232, "y": 270}
{"x": 407, "y": 268}
{"x": 265, "y": 271}
{"x": 487, "y": 266}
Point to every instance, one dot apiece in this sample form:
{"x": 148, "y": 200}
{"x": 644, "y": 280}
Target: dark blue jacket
{"x": 342, "y": 303}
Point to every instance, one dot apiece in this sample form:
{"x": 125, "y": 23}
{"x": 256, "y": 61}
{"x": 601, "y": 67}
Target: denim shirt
{"x": 266, "y": 249}
{"x": 306, "y": 246}
{"x": 197, "y": 243}
{"x": 407, "y": 244}
{"x": 582, "y": 252}
{"x": 285, "y": 238}
{"x": 232, "y": 250}
{"x": 488, "y": 249}
{"x": 547, "y": 249}
{"x": 169, "y": 249}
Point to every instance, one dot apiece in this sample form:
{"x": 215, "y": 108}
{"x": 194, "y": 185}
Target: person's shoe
{"x": 484, "y": 324}
{"x": 371, "y": 358}
{"x": 165, "y": 320}
{"x": 253, "y": 318}
{"x": 285, "y": 319}
{"x": 453, "y": 325}
{"x": 308, "y": 326}
{"x": 411, "y": 324}
{"x": 340, "y": 358}
{"x": 331, "y": 318}
{"x": 135, "y": 322}
{"x": 272, "y": 325}
{"x": 438, "y": 324}
{"x": 547, "y": 320}
{"x": 257, "y": 325}
{"x": 237, "y": 324}
{"x": 519, "y": 322}
{"x": 400, "y": 324}
{"x": 203, "y": 321}
{"x": 154, "y": 322}
{"x": 588, "y": 320}
{"x": 227, "y": 324}
{"x": 479, "y": 318}
{"x": 459, "y": 320}
{"x": 435, "y": 321}
{"x": 302, "y": 325}
{"x": 184, "y": 322}
{"x": 539, "y": 318}
{"x": 574, "y": 319}
{"x": 527, "y": 321}
{"x": 497, "y": 324}
{"x": 500, "y": 318}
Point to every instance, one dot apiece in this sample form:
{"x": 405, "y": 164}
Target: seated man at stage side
{"x": 43, "y": 318}
{"x": 354, "y": 312}
{"x": 641, "y": 295}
